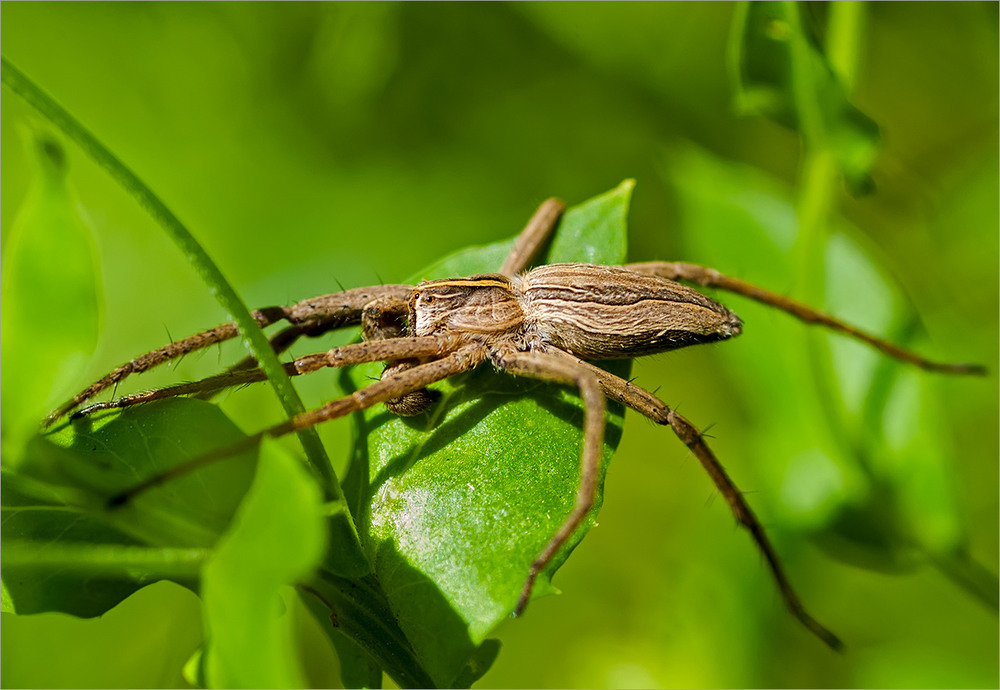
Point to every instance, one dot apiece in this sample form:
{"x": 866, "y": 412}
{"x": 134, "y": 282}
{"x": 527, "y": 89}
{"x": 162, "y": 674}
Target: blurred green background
{"x": 310, "y": 146}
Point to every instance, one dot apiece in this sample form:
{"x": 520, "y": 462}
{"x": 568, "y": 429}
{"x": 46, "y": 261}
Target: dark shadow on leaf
{"x": 363, "y": 611}
{"x": 58, "y": 495}
{"x": 546, "y": 396}
{"x": 451, "y": 657}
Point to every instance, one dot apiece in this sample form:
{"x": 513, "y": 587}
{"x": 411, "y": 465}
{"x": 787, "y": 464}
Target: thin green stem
{"x": 819, "y": 175}
{"x": 106, "y": 559}
{"x": 195, "y": 254}
{"x": 802, "y": 65}
{"x": 845, "y": 27}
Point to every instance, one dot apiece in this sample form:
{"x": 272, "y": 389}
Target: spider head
{"x": 480, "y": 304}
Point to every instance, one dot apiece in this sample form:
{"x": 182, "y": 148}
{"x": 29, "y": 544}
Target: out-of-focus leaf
{"x": 57, "y": 501}
{"x": 35, "y": 585}
{"x": 277, "y": 539}
{"x": 863, "y": 465}
{"x": 51, "y": 302}
{"x": 770, "y": 43}
{"x": 462, "y": 499}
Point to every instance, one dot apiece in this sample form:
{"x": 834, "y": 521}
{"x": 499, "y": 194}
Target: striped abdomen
{"x": 608, "y": 312}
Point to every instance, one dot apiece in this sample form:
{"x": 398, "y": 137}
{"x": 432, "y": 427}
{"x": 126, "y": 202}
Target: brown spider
{"x": 543, "y": 324}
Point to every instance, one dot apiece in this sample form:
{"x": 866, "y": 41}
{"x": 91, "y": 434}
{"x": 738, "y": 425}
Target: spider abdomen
{"x": 609, "y": 312}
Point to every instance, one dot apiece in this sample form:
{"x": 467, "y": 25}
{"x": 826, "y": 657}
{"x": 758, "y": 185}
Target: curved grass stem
{"x": 61, "y": 118}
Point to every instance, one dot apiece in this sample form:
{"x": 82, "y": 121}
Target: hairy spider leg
{"x": 534, "y": 237}
{"x": 455, "y": 359}
{"x": 338, "y": 309}
{"x": 372, "y": 327}
{"x": 546, "y": 367}
{"x": 648, "y": 405}
{"x": 709, "y": 277}
{"x": 346, "y": 355}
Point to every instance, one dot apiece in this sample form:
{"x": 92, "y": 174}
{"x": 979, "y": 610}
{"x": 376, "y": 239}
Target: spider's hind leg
{"x": 534, "y": 237}
{"x": 566, "y": 370}
{"x": 649, "y": 405}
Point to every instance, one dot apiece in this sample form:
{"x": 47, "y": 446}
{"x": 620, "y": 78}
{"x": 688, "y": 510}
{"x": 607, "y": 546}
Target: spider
{"x": 546, "y": 323}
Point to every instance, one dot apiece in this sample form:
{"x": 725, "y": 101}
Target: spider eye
{"x": 428, "y": 299}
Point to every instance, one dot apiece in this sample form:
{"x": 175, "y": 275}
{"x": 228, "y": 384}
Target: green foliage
{"x": 872, "y": 476}
{"x": 277, "y": 540}
{"x": 782, "y": 71}
{"x": 185, "y": 241}
{"x": 35, "y": 289}
{"x": 453, "y": 511}
{"x": 56, "y": 500}
{"x": 310, "y": 145}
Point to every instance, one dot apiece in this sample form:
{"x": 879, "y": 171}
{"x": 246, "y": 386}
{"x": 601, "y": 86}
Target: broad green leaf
{"x": 50, "y": 313}
{"x": 275, "y": 541}
{"x": 90, "y": 569}
{"x": 56, "y": 501}
{"x": 459, "y": 501}
{"x": 780, "y": 70}
{"x": 35, "y": 582}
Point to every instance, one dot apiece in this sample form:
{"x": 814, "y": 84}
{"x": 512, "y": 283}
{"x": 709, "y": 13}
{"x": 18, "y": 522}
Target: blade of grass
{"x": 195, "y": 254}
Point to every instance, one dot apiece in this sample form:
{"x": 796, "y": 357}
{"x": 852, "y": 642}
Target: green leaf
{"x": 459, "y": 501}
{"x": 56, "y": 503}
{"x": 50, "y": 312}
{"x": 276, "y": 540}
{"x": 780, "y": 70}
{"x": 35, "y": 579}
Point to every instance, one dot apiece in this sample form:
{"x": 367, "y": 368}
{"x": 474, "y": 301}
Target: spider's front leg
{"x": 283, "y": 340}
{"x": 325, "y": 313}
{"x": 450, "y": 355}
{"x": 426, "y": 348}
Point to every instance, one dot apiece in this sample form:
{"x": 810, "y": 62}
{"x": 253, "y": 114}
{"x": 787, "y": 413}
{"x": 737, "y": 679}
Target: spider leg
{"x": 387, "y": 318}
{"x": 347, "y": 355}
{"x": 338, "y": 309}
{"x": 379, "y": 320}
{"x": 709, "y": 277}
{"x": 687, "y": 433}
{"x": 534, "y": 237}
{"x": 646, "y": 403}
{"x": 280, "y": 342}
{"x": 455, "y": 359}
{"x": 542, "y": 365}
